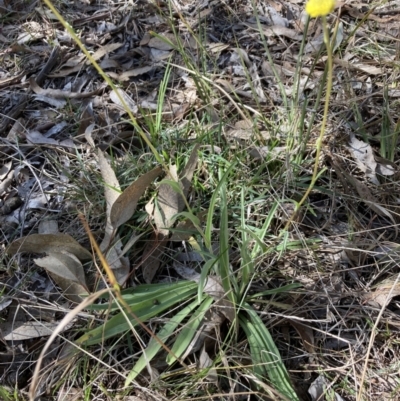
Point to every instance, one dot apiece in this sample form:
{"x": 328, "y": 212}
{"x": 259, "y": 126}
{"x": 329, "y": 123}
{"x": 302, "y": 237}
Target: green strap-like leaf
{"x": 188, "y": 332}
{"x": 154, "y": 346}
{"x": 265, "y": 354}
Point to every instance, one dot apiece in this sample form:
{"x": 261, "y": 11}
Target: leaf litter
{"x": 133, "y": 44}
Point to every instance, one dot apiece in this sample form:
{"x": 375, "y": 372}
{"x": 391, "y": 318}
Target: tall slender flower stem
{"x": 318, "y": 143}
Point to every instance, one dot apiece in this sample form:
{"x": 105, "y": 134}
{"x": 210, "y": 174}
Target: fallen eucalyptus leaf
{"x": 17, "y": 331}
{"x": 118, "y": 263}
{"x": 49, "y": 243}
{"x": 67, "y": 271}
{"x": 125, "y": 205}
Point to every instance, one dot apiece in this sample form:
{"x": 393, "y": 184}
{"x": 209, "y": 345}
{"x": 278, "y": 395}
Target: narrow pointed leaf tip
{"x": 320, "y": 8}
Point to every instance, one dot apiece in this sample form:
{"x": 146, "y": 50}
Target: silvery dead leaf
{"x": 364, "y": 156}
{"x": 111, "y": 185}
{"x": 65, "y": 265}
{"x": 283, "y": 31}
{"x": 33, "y": 31}
{"x": 304, "y": 84}
{"x": 4, "y": 303}
{"x": 259, "y": 153}
{"x": 383, "y": 169}
{"x": 242, "y": 56}
{"x": 212, "y": 287}
{"x": 37, "y": 201}
{"x": 5, "y": 184}
{"x": 56, "y": 103}
{"x": 56, "y": 129}
{"x": 339, "y": 37}
{"x": 48, "y": 227}
{"x": 159, "y": 55}
{"x": 385, "y": 166}
{"x": 18, "y": 331}
{"x": 206, "y": 362}
{"x": 314, "y": 45}
{"x": 5, "y": 169}
{"x": 169, "y": 203}
{"x": 130, "y": 103}
{"x": 60, "y": 94}
{"x": 88, "y": 135}
{"x": 170, "y": 194}
{"x": 187, "y": 174}
{"x": 256, "y": 85}
{"x": 272, "y": 16}
{"x": 384, "y": 292}
{"x": 318, "y": 390}
{"x": 37, "y": 138}
{"x": 217, "y": 47}
{"x": 162, "y": 42}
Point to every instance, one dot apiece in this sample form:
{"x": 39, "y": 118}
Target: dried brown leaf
{"x": 168, "y": 204}
{"x": 60, "y": 94}
{"x": 111, "y": 184}
{"x": 114, "y": 255}
{"x": 306, "y": 334}
{"x": 367, "y": 68}
{"x": 135, "y": 72}
{"x": 49, "y": 243}
{"x": 162, "y": 42}
{"x": 102, "y": 51}
{"x": 67, "y": 271}
{"x": 87, "y": 116}
{"x": 125, "y": 205}
{"x": 152, "y": 256}
{"x": 37, "y": 138}
{"x": 65, "y": 265}
{"x": 277, "y": 31}
{"x": 187, "y": 174}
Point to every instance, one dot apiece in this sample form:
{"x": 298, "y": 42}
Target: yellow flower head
{"x": 319, "y": 8}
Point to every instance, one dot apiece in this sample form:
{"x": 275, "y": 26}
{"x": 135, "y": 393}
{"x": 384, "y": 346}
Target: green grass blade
{"x": 118, "y": 323}
{"x": 263, "y": 344}
{"x": 141, "y": 295}
{"x": 188, "y": 332}
{"x": 228, "y": 279}
{"x": 203, "y": 275}
{"x": 211, "y": 209}
{"x": 154, "y": 346}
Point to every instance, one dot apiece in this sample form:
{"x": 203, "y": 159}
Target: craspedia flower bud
{"x": 319, "y": 8}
